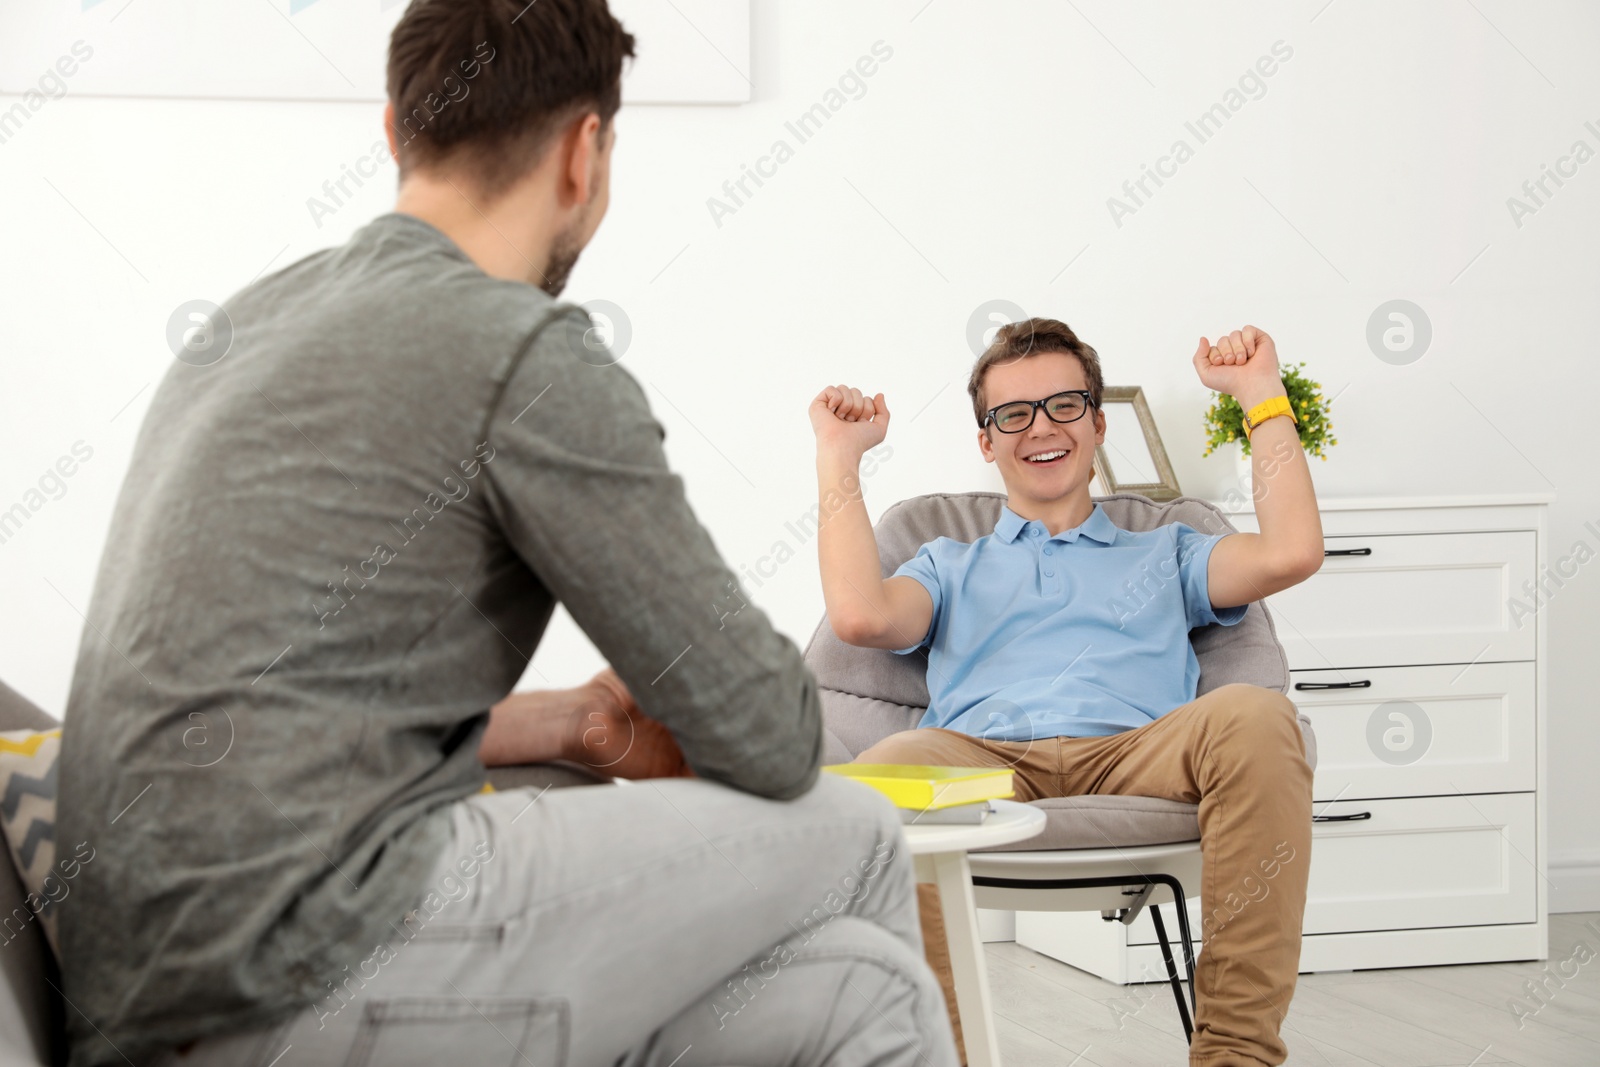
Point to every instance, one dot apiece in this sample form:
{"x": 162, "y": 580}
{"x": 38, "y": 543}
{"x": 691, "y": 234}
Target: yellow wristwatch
{"x": 1268, "y": 409}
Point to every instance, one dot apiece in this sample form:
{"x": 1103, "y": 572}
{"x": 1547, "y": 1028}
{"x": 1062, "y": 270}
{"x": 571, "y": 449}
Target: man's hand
{"x": 1243, "y": 364}
{"x": 613, "y": 734}
{"x": 847, "y": 422}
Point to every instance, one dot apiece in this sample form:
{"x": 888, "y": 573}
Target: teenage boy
{"x": 1040, "y": 659}
{"x": 337, "y": 548}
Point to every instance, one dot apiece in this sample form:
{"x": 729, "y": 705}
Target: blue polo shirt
{"x": 1082, "y": 634}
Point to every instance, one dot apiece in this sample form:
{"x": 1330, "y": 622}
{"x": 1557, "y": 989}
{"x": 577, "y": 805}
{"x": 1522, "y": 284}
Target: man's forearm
{"x": 530, "y": 727}
{"x": 847, "y": 551}
{"x": 1285, "y": 500}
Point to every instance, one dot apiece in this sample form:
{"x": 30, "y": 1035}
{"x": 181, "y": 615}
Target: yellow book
{"x": 916, "y": 786}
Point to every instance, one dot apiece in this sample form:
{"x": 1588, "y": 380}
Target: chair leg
{"x": 1184, "y": 933}
{"x": 1172, "y": 970}
{"x": 1184, "y": 1009}
{"x": 1188, "y": 942}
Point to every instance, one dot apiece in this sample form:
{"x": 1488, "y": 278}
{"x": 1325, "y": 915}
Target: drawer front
{"x": 1429, "y": 861}
{"x": 1420, "y": 731}
{"x": 1414, "y": 864}
{"x": 1412, "y": 598}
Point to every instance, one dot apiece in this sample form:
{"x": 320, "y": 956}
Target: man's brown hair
{"x": 1031, "y": 337}
{"x": 488, "y": 82}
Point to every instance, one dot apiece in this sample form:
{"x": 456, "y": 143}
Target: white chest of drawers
{"x": 1418, "y": 654}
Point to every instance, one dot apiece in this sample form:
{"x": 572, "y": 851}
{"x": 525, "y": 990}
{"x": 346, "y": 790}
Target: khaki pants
{"x": 1238, "y": 753}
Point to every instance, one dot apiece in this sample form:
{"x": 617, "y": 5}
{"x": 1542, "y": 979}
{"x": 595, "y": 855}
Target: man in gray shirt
{"x": 347, "y": 521}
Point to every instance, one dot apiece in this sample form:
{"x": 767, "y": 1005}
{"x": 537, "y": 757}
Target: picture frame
{"x": 1132, "y": 458}
{"x": 318, "y": 50}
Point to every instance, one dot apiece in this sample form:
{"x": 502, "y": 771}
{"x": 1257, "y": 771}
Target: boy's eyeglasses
{"x": 1018, "y": 415}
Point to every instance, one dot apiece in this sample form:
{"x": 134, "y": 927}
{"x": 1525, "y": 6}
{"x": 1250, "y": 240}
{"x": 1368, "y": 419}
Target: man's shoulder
{"x": 501, "y": 313}
{"x": 408, "y": 276}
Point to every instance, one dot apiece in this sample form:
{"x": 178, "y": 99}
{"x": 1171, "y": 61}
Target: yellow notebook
{"x": 918, "y": 786}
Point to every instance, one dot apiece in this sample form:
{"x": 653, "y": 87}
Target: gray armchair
{"x": 1112, "y": 854}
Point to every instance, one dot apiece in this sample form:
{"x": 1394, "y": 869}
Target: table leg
{"x": 953, "y": 875}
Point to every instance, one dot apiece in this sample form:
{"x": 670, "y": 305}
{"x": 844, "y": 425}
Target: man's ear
{"x": 1099, "y": 426}
{"x": 583, "y": 150}
{"x": 388, "y": 130}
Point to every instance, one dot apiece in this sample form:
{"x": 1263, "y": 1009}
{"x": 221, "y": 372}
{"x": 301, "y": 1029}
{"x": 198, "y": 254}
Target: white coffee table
{"x": 941, "y": 858}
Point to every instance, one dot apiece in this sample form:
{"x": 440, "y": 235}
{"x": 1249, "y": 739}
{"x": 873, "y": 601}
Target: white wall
{"x": 977, "y": 165}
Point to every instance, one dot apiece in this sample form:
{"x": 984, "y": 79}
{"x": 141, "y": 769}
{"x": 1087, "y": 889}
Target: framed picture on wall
{"x": 696, "y": 51}
{"x": 1132, "y": 459}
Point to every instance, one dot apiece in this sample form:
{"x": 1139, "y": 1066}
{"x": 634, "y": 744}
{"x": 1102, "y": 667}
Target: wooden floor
{"x": 1051, "y": 1014}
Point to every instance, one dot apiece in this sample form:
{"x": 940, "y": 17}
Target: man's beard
{"x": 564, "y": 252}
{"x": 564, "y": 249}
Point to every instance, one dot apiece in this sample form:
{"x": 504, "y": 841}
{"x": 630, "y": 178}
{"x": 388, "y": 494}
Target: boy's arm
{"x": 864, "y": 608}
{"x": 1244, "y": 567}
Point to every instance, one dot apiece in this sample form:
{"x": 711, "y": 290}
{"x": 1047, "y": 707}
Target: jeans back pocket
{"x": 428, "y": 1031}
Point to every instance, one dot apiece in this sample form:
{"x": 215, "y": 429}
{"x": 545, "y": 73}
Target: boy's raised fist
{"x": 844, "y": 418}
{"x": 1242, "y": 364}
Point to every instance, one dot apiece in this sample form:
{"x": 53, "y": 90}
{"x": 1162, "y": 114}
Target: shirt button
{"x": 1049, "y": 574}
{"x": 1047, "y": 550}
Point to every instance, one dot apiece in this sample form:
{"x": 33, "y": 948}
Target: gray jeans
{"x": 668, "y": 923}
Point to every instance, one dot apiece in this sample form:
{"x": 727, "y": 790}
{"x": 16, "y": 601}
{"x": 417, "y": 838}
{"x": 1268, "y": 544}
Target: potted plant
{"x": 1225, "y": 420}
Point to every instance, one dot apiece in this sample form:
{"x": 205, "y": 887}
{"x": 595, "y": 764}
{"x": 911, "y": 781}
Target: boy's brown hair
{"x": 489, "y": 81}
{"x": 1031, "y": 337}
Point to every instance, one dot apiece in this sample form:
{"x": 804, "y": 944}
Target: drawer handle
{"x": 1365, "y": 683}
{"x": 1347, "y": 552}
{"x": 1357, "y": 817}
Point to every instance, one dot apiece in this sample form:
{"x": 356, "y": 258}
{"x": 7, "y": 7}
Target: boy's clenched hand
{"x": 1243, "y": 364}
{"x": 848, "y": 422}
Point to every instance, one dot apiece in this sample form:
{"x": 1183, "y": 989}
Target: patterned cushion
{"x": 28, "y": 763}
